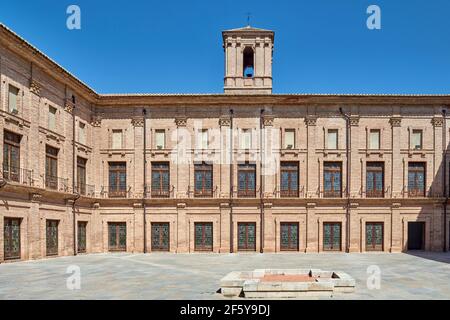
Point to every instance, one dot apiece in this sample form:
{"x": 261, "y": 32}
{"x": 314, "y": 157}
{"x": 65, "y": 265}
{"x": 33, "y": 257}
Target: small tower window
{"x": 248, "y": 63}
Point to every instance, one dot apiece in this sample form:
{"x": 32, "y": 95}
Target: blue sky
{"x": 321, "y": 46}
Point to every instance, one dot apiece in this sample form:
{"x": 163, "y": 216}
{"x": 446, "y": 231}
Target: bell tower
{"x": 248, "y": 60}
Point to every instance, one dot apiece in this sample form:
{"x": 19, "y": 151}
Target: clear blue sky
{"x": 321, "y": 46}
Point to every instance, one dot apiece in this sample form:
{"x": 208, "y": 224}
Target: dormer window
{"x": 249, "y": 68}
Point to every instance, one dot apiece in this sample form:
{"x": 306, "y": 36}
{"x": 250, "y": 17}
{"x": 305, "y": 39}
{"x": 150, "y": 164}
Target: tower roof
{"x": 248, "y": 30}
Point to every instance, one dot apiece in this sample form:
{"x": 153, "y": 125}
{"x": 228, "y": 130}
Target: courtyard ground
{"x": 421, "y": 275}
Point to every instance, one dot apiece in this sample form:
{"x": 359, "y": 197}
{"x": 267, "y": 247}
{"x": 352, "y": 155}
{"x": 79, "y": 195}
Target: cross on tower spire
{"x": 248, "y": 18}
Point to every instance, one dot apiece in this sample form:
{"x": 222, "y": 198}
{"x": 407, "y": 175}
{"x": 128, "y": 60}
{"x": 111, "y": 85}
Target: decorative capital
{"x": 354, "y": 121}
{"x": 268, "y": 121}
{"x": 68, "y": 106}
{"x": 96, "y": 205}
{"x": 311, "y": 120}
{"x": 437, "y": 122}
{"x": 35, "y": 87}
{"x": 96, "y": 121}
{"x": 137, "y": 122}
{"x": 396, "y": 121}
{"x": 181, "y": 121}
{"x": 225, "y": 121}
{"x": 35, "y": 197}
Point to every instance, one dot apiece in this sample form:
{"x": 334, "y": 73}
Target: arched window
{"x": 248, "y": 63}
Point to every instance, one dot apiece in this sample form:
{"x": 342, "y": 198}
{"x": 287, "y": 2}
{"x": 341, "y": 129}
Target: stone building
{"x": 245, "y": 170}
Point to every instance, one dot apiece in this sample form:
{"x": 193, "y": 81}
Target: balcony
{"x": 86, "y": 190}
{"x": 202, "y": 193}
{"x": 116, "y": 191}
{"x": 165, "y": 192}
{"x": 374, "y": 193}
{"x": 18, "y": 175}
{"x": 57, "y": 183}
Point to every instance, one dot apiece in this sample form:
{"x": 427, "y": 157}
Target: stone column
{"x": 397, "y": 165}
{"x": 182, "y": 229}
{"x": 312, "y": 168}
{"x": 138, "y": 187}
{"x": 396, "y": 228}
{"x": 225, "y": 145}
{"x": 35, "y": 239}
{"x": 138, "y": 222}
{"x": 183, "y": 158}
{"x": 225, "y": 212}
{"x": 312, "y": 237}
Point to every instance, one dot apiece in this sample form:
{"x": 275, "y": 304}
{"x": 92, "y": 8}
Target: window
{"x": 247, "y": 236}
{"x": 374, "y": 236}
{"x": 117, "y": 236}
{"x": 203, "y": 176}
{"x": 81, "y": 175}
{"x": 374, "y": 139}
{"x": 289, "y": 179}
{"x": 332, "y": 179}
{"x": 11, "y": 238}
{"x": 289, "y": 236}
{"x": 203, "y": 236}
{"x": 248, "y": 63}
{"x": 247, "y": 180}
{"x": 416, "y": 139}
{"x": 332, "y": 236}
{"x": 160, "y": 139}
{"x": 117, "y": 180}
{"x": 160, "y": 180}
{"x": 289, "y": 139}
{"x": 82, "y": 133}
{"x": 160, "y": 236}
{"x": 416, "y": 179}
{"x": 246, "y": 139}
{"x": 202, "y": 139}
{"x": 375, "y": 180}
{"x": 52, "y": 237}
{"x": 51, "y": 167}
{"x": 51, "y": 118}
{"x": 81, "y": 237}
{"x": 11, "y": 156}
{"x": 13, "y": 94}
{"x": 117, "y": 139}
{"x": 332, "y": 139}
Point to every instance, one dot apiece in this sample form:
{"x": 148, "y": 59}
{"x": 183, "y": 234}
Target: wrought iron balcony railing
{"x": 18, "y": 175}
{"x": 202, "y": 193}
{"x": 87, "y": 190}
{"x": 116, "y": 191}
{"x": 167, "y": 192}
{"x": 374, "y": 193}
{"x": 57, "y": 183}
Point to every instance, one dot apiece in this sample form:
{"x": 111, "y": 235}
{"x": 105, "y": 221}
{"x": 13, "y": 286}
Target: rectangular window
{"x": 246, "y": 139}
{"x": 374, "y": 139}
{"x": 203, "y": 236}
{"x": 289, "y": 139}
{"x": 160, "y": 180}
{"x": 375, "y": 180}
{"x": 52, "y": 237}
{"x": 51, "y": 167}
{"x": 11, "y": 156}
{"x": 203, "y": 176}
{"x": 117, "y": 236}
{"x": 82, "y": 133}
{"x": 416, "y": 140}
{"x": 202, "y": 139}
{"x": 374, "y": 236}
{"x": 416, "y": 179}
{"x": 246, "y": 180}
{"x": 332, "y": 179}
{"x": 81, "y": 236}
{"x": 332, "y": 236}
{"x": 332, "y": 139}
{"x": 247, "y": 236}
{"x": 13, "y": 94}
{"x": 11, "y": 238}
{"x": 117, "y": 180}
{"x": 289, "y": 179}
{"x": 81, "y": 175}
{"x": 289, "y": 239}
{"x": 160, "y": 139}
{"x": 160, "y": 236}
{"x": 51, "y": 118}
{"x": 117, "y": 139}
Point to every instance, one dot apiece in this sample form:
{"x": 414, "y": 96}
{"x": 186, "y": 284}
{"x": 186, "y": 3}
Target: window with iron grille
{"x": 247, "y": 180}
{"x": 81, "y": 175}
{"x": 332, "y": 179}
{"x": 117, "y": 180}
{"x": 375, "y": 180}
{"x": 51, "y": 167}
{"x": 52, "y": 237}
{"x": 289, "y": 179}
{"x": 11, "y": 238}
{"x": 289, "y": 237}
{"x": 160, "y": 180}
{"x": 81, "y": 236}
{"x": 203, "y": 237}
{"x": 247, "y": 236}
{"x": 117, "y": 236}
{"x": 416, "y": 179}
{"x": 203, "y": 176}
{"x": 11, "y": 156}
{"x": 332, "y": 236}
{"x": 160, "y": 236}
{"x": 374, "y": 236}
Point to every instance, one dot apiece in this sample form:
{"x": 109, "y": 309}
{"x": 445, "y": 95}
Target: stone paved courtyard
{"x": 422, "y": 275}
